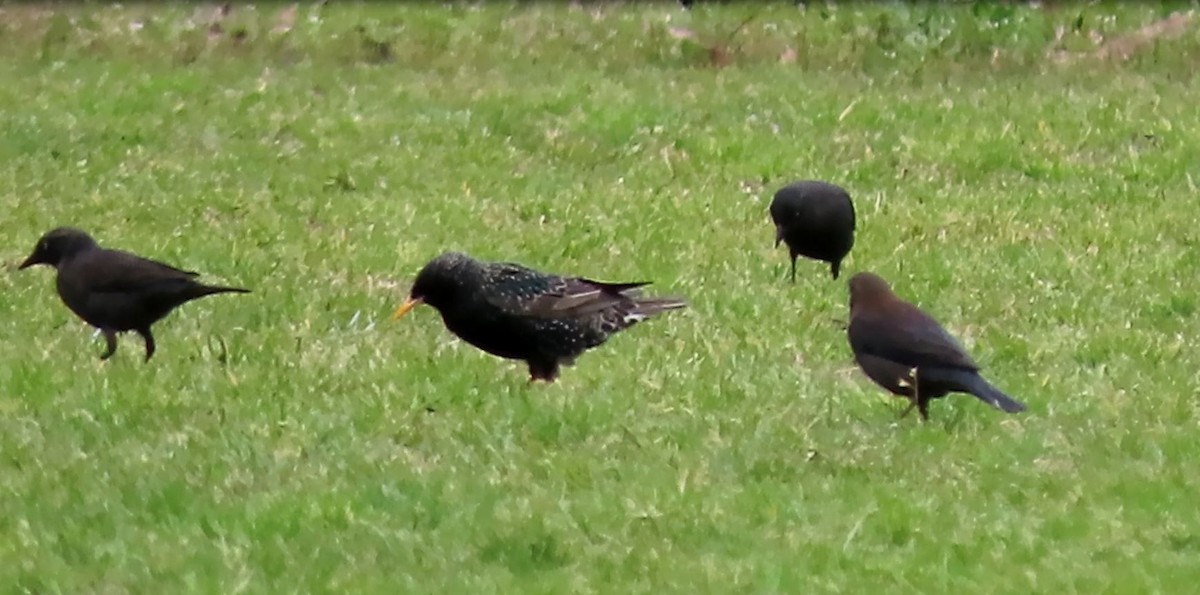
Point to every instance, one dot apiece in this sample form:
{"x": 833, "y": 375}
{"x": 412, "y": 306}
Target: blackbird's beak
{"x": 409, "y": 304}
{"x": 32, "y": 260}
{"x": 778, "y": 235}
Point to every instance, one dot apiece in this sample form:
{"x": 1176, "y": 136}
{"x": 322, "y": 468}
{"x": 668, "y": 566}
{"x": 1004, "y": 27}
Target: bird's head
{"x": 436, "y": 284}
{"x": 866, "y": 288}
{"x": 57, "y": 245}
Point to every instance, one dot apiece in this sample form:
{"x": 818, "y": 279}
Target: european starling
{"x": 515, "y": 312}
{"x": 115, "y": 291}
{"x": 816, "y": 219}
{"x": 907, "y": 352}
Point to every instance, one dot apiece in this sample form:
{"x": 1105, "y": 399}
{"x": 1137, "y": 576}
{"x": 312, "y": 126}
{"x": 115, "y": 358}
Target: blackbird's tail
{"x": 203, "y": 290}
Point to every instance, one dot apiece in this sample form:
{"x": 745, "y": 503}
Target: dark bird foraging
{"x": 116, "y": 291}
{"x": 514, "y": 312}
{"x": 816, "y": 220}
{"x": 907, "y": 352}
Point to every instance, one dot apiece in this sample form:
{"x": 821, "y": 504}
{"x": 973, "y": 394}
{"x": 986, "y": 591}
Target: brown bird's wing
{"x": 118, "y": 271}
{"x": 525, "y": 292}
{"x": 904, "y": 334}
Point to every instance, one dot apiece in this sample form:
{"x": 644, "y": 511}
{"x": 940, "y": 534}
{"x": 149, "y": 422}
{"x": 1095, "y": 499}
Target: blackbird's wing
{"x": 904, "y": 334}
{"x": 116, "y": 271}
{"x": 522, "y": 291}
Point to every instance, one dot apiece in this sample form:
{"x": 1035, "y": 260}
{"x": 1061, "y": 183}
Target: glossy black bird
{"x": 907, "y": 352}
{"x": 115, "y": 291}
{"x": 515, "y": 312}
{"x": 816, "y": 219}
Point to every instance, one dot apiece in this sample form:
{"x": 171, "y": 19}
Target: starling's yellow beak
{"x": 409, "y": 304}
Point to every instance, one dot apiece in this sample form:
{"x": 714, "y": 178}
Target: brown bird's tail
{"x": 992, "y": 396}
{"x": 974, "y": 384}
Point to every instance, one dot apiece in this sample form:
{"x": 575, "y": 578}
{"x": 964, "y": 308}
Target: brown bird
{"x": 907, "y": 352}
{"x": 515, "y": 312}
{"x": 115, "y": 291}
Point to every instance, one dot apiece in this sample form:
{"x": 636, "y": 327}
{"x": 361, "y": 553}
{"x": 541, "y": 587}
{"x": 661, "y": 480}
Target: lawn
{"x": 1025, "y": 174}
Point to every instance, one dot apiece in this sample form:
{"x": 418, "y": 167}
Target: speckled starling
{"x": 816, "y": 219}
{"x": 518, "y": 313}
{"x": 905, "y": 351}
{"x": 115, "y": 291}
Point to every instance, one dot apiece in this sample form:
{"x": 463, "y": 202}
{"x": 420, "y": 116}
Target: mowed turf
{"x": 1036, "y": 198}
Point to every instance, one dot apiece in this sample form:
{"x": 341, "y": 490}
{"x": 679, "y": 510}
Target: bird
{"x": 515, "y": 312}
{"x": 906, "y": 351}
{"x": 115, "y": 291}
{"x": 816, "y": 220}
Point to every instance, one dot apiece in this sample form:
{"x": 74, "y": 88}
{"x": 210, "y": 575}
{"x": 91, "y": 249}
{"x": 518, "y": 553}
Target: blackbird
{"x": 816, "y": 219}
{"x": 514, "y": 312}
{"x": 115, "y": 291}
{"x": 907, "y": 352}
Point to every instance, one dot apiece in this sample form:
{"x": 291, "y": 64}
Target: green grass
{"x": 1045, "y": 213}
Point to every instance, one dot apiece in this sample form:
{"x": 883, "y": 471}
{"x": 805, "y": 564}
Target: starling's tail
{"x": 644, "y": 308}
{"x": 625, "y": 289}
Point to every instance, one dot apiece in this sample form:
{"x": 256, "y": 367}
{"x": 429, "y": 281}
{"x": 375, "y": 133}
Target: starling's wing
{"x": 904, "y": 334}
{"x": 581, "y": 297}
{"x": 525, "y": 292}
{"x": 116, "y": 271}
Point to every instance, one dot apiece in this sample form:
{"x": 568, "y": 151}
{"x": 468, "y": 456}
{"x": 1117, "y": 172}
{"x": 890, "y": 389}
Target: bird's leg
{"x": 542, "y": 371}
{"x": 149, "y": 339}
{"x": 915, "y": 398}
{"x": 922, "y": 405}
{"x": 793, "y": 268}
{"x": 536, "y": 376}
{"x": 110, "y": 341}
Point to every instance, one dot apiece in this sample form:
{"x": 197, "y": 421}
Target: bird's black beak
{"x": 32, "y": 260}
{"x": 778, "y": 235}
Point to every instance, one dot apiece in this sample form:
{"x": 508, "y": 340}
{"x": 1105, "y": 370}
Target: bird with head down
{"x": 816, "y": 220}
{"x": 515, "y": 312}
{"x": 905, "y": 351}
